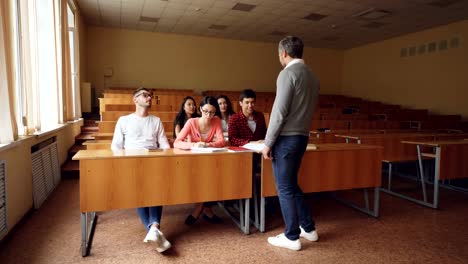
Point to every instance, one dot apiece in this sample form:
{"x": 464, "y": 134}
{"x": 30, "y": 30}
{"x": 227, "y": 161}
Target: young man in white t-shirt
{"x": 137, "y": 131}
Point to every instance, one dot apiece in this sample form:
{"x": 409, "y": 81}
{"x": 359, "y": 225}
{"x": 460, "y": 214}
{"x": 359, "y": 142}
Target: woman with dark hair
{"x": 204, "y": 131}
{"x": 225, "y": 107}
{"x": 188, "y": 109}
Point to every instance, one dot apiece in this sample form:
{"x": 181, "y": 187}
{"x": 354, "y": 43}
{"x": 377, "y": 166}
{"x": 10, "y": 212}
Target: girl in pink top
{"x": 204, "y": 131}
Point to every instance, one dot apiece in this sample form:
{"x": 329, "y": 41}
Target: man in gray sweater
{"x": 286, "y": 141}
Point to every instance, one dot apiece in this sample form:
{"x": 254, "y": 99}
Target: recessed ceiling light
{"x": 243, "y": 7}
{"x": 372, "y": 13}
{"x": 315, "y": 16}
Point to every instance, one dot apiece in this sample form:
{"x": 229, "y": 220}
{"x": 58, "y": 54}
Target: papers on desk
{"x": 259, "y": 146}
{"x": 254, "y": 146}
{"x": 208, "y": 149}
{"x": 311, "y": 146}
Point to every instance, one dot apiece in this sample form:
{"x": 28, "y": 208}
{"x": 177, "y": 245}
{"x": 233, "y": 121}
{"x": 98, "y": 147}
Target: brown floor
{"x": 404, "y": 233}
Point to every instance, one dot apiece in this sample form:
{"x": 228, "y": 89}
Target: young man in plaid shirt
{"x": 247, "y": 125}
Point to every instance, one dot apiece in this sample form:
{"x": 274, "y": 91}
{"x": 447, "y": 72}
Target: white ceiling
{"x": 270, "y": 20}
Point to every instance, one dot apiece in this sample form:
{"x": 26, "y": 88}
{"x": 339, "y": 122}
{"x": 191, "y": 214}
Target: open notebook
{"x": 208, "y": 149}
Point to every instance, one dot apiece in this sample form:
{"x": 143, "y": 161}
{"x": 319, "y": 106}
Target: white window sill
{"x": 40, "y": 134}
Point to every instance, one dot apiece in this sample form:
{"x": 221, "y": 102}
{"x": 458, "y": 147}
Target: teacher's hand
{"x": 266, "y": 153}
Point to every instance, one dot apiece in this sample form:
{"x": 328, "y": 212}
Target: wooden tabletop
{"x": 112, "y": 154}
{"x": 341, "y": 147}
{"x": 97, "y": 141}
{"x": 436, "y": 143}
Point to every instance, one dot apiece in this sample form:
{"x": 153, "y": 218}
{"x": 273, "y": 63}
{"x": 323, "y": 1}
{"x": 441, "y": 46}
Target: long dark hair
{"x": 229, "y": 110}
{"x": 181, "y": 117}
{"x": 211, "y": 101}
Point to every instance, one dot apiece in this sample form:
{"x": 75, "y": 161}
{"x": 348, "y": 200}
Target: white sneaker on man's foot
{"x": 163, "y": 243}
{"x": 152, "y": 235}
{"x": 311, "y": 236}
{"x": 282, "y": 241}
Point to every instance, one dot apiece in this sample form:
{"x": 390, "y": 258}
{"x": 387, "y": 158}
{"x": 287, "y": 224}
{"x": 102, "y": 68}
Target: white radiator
{"x": 3, "y": 217}
{"x": 45, "y": 172}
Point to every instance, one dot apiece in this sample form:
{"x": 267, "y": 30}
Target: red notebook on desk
{"x": 238, "y": 149}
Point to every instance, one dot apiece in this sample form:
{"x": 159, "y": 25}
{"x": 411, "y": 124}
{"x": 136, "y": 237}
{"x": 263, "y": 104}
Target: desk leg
{"x": 241, "y": 214}
{"x": 243, "y": 222}
{"x": 366, "y": 198}
{"x": 244, "y": 212}
{"x": 435, "y": 203}
{"x": 262, "y": 214}
{"x": 376, "y": 201}
{"x": 423, "y": 183}
{"x": 88, "y": 225}
{"x": 366, "y": 208}
{"x": 255, "y": 202}
{"x": 246, "y": 227}
{"x": 389, "y": 176}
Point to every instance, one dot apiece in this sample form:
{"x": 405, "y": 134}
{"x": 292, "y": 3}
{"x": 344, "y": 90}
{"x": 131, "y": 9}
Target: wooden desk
{"x": 394, "y": 151}
{"x": 98, "y": 144}
{"x": 135, "y": 178}
{"x": 450, "y": 163}
{"x": 331, "y": 167}
{"x": 335, "y": 135}
{"x": 391, "y": 142}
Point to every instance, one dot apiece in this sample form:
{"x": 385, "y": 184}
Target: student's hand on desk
{"x": 200, "y": 145}
{"x": 266, "y": 153}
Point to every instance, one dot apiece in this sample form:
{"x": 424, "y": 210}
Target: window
{"x": 72, "y": 35}
{"x": 6, "y": 127}
{"x": 47, "y": 82}
{"x": 37, "y": 72}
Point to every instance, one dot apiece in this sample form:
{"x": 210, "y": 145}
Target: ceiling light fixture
{"x": 372, "y": 13}
{"x": 243, "y": 7}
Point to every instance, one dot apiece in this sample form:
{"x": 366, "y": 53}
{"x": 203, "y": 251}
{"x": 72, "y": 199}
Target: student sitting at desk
{"x": 188, "y": 109}
{"x": 137, "y": 131}
{"x": 204, "y": 131}
{"x": 247, "y": 125}
{"x": 225, "y": 107}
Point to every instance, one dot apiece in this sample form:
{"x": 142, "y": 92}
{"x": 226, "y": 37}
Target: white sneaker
{"x": 163, "y": 243}
{"x": 282, "y": 241}
{"x": 152, "y": 235}
{"x": 311, "y": 236}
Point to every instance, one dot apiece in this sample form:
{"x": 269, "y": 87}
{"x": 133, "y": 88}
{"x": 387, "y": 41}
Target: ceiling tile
{"x": 281, "y": 15}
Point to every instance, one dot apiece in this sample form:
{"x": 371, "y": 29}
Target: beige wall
{"x": 19, "y": 170}
{"x": 82, "y": 34}
{"x": 187, "y": 62}
{"x": 436, "y": 81}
